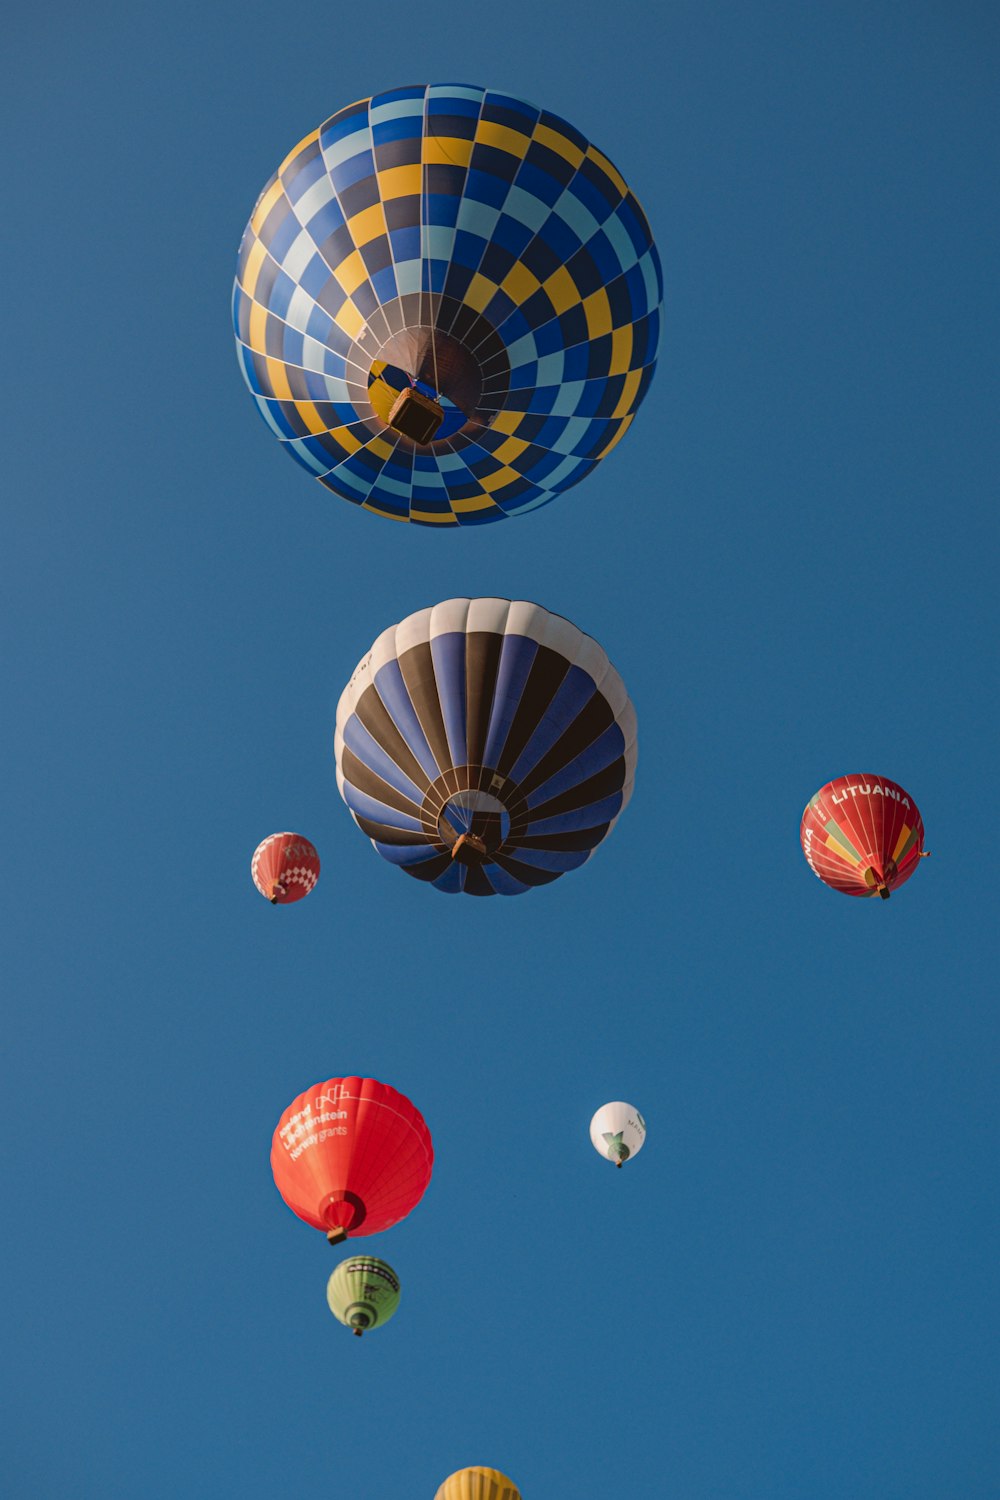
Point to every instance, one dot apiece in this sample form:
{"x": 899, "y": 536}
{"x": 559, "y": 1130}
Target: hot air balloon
{"x": 478, "y": 1484}
{"x": 485, "y": 746}
{"x": 862, "y": 835}
{"x": 363, "y": 1293}
{"x": 285, "y": 867}
{"x": 351, "y": 1156}
{"x": 447, "y": 304}
{"x": 618, "y": 1132}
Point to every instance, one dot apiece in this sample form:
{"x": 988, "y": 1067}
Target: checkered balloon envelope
{"x": 447, "y": 305}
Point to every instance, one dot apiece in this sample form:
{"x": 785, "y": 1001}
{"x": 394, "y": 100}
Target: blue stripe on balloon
{"x": 604, "y": 751}
{"x": 454, "y": 99}
{"x": 313, "y": 279}
{"x": 302, "y": 454}
{"x": 532, "y": 498}
{"x": 371, "y": 754}
{"x": 572, "y": 694}
{"x": 405, "y": 128}
{"x": 293, "y": 346}
{"x": 384, "y": 283}
{"x": 477, "y": 517}
{"x": 453, "y": 879}
{"x": 406, "y": 854}
{"x": 283, "y": 238}
{"x": 504, "y": 883}
{"x": 516, "y": 657}
{"x": 276, "y": 420}
{"x": 594, "y": 815}
{"x": 334, "y": 478}
{"x": 344, "y": 174}
{"x": 408, "y": 99}
{"x": 550, "y": 859}
{"x": 319, "y": 325}
{"x": 391, "y": 689}
{"x": 298, "y": 182}
{"x": 405, "y": 242}
{"x": 346, "y": 122}
{"x": 378, "y": 812}
{"x": 327, "y": 219}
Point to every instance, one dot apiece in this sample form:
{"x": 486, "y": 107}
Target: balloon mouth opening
{"x": 473, "y": 825}
{"x": 878, "y": 882}
{"x": 360, "y": 1321}
{"x": 426, "y": 386}
{"x": 343, "y": 1214}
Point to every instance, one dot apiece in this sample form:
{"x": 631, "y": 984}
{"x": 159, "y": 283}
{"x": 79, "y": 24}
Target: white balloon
{"x": 618, "y": 1131}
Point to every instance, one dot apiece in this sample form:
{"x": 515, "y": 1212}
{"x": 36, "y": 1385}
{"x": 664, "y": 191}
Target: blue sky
{"x": 792, "y": 561}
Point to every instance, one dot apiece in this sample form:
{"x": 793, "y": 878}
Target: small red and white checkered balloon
{"x": 285, "y": 867}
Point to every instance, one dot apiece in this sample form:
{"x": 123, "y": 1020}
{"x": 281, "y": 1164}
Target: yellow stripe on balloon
{"x": 489, "y": 133}
{"x": 561, "y": 290}
{"x": 351, "y": 272}
{"x": 838, "y": 848}
{"x": 265, "y": 205}
{"x": 601, "y": 161}
{"x": 296, "y": 151}
{"x": 446, "y": 151}
{"x": 901, "y": 841}
{"x": 251, "y": 269}
{"x": 559, "y": 143}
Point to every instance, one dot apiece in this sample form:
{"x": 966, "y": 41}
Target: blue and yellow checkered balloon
{"x": 463, "y": 250}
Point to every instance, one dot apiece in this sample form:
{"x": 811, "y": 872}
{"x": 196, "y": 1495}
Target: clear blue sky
{"x": 791, "y": 559}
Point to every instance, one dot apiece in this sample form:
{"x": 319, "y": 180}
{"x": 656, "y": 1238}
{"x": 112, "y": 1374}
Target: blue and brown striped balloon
{"x": 471, "y": 249}
{"x": 485, "y": 746}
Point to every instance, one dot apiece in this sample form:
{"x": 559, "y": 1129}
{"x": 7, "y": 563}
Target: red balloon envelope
{"x": 862, "y": 835}
{"x": 285, "y": 867}
{"x": 351, "y": 1156}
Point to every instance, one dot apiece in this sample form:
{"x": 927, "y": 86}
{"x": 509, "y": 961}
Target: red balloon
{"x": 285, "y": 867}
{"x": 351, "y": 1156}
{"x": 862, "y": 835}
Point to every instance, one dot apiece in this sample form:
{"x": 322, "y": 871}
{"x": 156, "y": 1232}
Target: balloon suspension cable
{"x": 336, "y": 1236}
{"x": 873, "y": 878}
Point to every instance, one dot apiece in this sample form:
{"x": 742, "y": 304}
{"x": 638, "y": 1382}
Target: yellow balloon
{"x": 478, "y": 1484}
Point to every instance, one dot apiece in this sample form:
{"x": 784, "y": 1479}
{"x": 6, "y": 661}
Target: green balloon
{"x": 363, "y": 1292}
